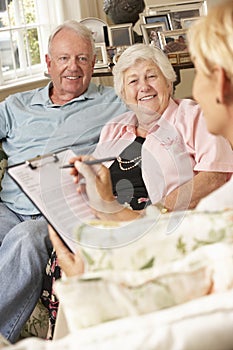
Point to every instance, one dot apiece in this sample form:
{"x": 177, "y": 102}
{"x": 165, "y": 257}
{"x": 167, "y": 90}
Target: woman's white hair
{"x": 210, "y": 39}
{"x": 138, "y": 53}
{"x": 78, "y": 28}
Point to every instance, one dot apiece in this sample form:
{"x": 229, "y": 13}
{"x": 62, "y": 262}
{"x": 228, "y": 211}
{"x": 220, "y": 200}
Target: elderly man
{"x": 69, "y": 112}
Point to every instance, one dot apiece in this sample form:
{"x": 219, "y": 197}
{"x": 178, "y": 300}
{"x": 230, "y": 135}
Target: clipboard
{"x": 53, "y": 192}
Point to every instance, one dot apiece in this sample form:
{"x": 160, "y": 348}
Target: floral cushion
{"x": 185, "y": 277}
{"x": 155, "y": 272}
{"x": 38, "y": 323}
{"x": 191, "y": 230}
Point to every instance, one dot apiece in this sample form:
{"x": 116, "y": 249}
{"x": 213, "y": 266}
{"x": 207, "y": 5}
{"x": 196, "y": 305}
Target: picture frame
{"x": 150, "y": 33}
{"x": 177, "y": 17}
{"x": 120, "y": 34}
{"x": 184, "y": 57}
{"x": 180, "y": 58}
{"x": 163, "y": 18}
{"x": 178, "y": 10}
{"x": 173, "y": 58}
{"x": 101, "y": 55}
{"x": 187, "y": 22}
{"x": 173, "y": 41}
{"x": 97, "y": 26}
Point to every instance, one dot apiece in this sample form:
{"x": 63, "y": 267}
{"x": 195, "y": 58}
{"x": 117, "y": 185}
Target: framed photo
{"x": 176, "y": 17}
{"x": 173, "y": 58}
{"x": 101, "y": 55}
{"x": 164, "y": 18}
{"x": 173, "y": 41}
{"x": 178, "y": 11}
{"x": 184, "y": 57}
{"x": 97, "y": 26}
{"x": 120, "y": 34}
{"x": 187, "y": 22}
{"x": 150, "y": 33}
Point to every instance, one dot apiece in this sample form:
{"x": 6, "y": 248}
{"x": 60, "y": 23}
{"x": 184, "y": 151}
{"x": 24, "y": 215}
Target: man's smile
{"x": 73, "y": 78}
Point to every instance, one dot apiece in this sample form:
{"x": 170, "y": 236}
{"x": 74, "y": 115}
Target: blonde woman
{"x": 211, "y": 47}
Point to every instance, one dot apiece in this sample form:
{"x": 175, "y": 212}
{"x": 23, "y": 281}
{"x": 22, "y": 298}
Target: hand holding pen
{"x": 85, "y": 160}
{"x": 97, "y": 183}
{"x": 90, "y": 162}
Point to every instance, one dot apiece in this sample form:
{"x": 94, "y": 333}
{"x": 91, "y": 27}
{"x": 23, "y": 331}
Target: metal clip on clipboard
{"x": 30, "y": 162}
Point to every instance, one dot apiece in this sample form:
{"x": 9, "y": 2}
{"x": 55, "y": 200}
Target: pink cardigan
{"x": 176, "y": 148}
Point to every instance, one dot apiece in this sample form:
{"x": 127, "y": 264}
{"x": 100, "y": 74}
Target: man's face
{"x": 70, "y": 65}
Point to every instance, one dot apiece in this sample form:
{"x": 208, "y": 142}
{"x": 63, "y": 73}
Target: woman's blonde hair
{"x": 139, "y": 53}
{"x": 211, "y": 39}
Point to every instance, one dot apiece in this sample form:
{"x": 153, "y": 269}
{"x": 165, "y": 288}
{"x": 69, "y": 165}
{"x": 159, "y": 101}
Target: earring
{"x": 217, "y": 100}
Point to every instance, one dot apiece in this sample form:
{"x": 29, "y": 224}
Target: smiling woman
{"x": 147, "y": 91}
{"x": 159, "y": 162}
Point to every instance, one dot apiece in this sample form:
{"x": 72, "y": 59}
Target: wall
{"x": 152, "y": 2}
{"x": 74, "y": 9}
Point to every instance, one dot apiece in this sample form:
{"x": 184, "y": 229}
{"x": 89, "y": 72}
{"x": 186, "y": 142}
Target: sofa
{"x": 162, "y": 291}
{"x": 169, "y": 289}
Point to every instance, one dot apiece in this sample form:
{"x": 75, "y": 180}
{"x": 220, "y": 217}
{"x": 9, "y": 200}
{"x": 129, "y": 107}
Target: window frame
{"x": 46, "y": 19}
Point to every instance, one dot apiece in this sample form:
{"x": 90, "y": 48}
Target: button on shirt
{"x": 31, "y": 125}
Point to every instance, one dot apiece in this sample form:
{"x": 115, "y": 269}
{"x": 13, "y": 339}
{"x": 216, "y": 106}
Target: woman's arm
{"x": 106, "y": 207}
{"x": 188, "y": 195}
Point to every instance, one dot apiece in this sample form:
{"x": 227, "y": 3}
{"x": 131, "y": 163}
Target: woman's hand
{"x": 74, "y": 171}
{"x": 71, "y": 264}
{"x": 98, "y": 186}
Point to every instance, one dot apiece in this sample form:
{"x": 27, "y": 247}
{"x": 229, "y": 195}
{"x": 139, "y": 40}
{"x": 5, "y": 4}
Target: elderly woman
{"x": 164, "y": 153}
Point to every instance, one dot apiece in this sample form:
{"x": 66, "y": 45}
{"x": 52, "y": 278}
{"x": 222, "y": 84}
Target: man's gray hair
{"x": 78, "y": 28}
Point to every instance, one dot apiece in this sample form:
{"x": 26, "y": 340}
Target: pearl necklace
{"x": 135, "y": 162}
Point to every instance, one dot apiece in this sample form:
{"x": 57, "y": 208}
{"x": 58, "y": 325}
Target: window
{"x": 24, "y": 29}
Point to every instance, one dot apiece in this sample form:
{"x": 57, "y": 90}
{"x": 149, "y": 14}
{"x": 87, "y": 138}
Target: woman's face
{"x": 146, "y": 89}
{"x": 205, "y": 92}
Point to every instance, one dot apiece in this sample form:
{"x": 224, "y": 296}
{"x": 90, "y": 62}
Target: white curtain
{"x": 80, "y": 9}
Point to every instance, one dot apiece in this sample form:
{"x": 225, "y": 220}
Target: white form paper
{"x": 54, "y": 193}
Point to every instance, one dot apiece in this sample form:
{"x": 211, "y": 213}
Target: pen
{"x": 90, "y": 162}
